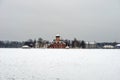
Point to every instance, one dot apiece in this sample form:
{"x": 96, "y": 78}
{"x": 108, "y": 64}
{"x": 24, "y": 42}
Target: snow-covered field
{"x": 59, "y": 64}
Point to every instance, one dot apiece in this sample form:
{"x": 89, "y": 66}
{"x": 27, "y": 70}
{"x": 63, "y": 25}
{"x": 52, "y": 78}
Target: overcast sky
{"x": 88, "y": 20}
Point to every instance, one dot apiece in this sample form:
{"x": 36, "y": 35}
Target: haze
{"x": 90, "y": 20}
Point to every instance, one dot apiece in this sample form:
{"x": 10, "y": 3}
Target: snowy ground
{"x": 59, "y": 64}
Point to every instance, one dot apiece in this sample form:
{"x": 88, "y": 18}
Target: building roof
{"x": 118, "y": 45}
{"x": 92, "y": 42}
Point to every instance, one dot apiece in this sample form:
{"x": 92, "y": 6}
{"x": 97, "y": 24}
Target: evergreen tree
{"x": 83, "y": 44}
{"x": 40, "y": 42}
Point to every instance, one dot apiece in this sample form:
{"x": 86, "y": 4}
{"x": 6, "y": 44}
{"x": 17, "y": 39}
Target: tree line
{"x": 10, "y": 44}
{"x": 40, "y": 43}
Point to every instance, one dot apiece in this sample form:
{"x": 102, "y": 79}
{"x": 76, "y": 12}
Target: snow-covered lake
{"x": 59, "y": 64}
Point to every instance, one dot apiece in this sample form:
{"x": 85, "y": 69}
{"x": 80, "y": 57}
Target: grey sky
{"x": 84, "y": 19}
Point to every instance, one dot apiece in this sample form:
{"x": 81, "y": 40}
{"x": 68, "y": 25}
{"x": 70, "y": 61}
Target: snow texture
{"x": 59, "y": 64}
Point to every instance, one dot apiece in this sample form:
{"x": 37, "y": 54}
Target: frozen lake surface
{"x": 59, "y": 64}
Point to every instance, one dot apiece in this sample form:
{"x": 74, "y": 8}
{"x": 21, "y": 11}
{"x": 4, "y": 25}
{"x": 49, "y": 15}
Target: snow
{"x": 91, "y": 42}
{"x": 118, "y": 45}
{"x": 108, "y": 46}
{"x": 59, "y": 64}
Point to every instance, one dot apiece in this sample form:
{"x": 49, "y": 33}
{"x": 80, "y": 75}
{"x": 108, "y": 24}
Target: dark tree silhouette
{"x": 83, "y": 44}
{"x": 75, "y": 43}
